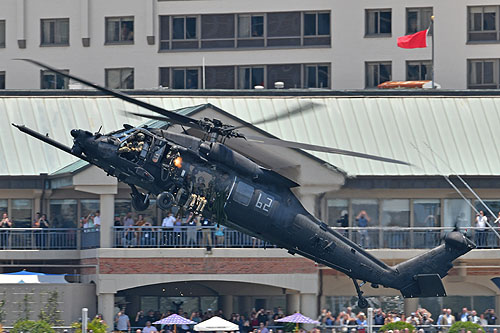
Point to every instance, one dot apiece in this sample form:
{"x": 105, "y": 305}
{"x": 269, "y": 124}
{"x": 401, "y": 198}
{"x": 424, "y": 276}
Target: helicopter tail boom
{"x": 421, "y": 276}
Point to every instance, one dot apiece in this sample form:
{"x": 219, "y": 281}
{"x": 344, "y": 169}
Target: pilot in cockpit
{"x": 134, "y": 145}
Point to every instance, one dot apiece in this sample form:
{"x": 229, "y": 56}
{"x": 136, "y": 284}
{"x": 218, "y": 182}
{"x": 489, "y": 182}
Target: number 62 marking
{"x": 264, "y": 203}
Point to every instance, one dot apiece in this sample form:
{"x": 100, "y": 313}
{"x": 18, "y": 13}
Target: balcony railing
{"x": 369, "y": 238}
{"x": 48, "y": 239}
{"x": 191, "y": 237}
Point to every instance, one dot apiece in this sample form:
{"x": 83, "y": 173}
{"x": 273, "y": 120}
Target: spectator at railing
{"x": 206, "y": 233}
{"x": 363, "y": 220}
{"x": 129, "y": 238}
{"x": 379, "y": 317}
{"x": 490, "y": 316}
{"x": 480, "y": 234}
{"x": 167, "y": 225}
{"x": 147, "y": 235}
{"x": 41, "y": 236}
{"x": 97, "y": 219}
{"x": 219, "y": 234}
{"x": 128, "y": 221}
{"x": 191, "y": 230}
{"x": 5, "y": 223}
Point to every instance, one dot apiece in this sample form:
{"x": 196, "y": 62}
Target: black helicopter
{"x": 205, "y": 176}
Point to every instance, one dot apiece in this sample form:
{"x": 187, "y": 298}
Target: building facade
{"x": 223, "y": 44}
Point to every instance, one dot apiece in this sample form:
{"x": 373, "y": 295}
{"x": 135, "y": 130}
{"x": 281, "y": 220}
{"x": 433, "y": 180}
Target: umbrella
{"x": 174, "y": 319}
{"x": 297, "y": 318}
{"x": 216, "y": 324}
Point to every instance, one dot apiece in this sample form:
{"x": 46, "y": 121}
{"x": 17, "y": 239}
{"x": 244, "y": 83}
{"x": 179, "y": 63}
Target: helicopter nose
{"x": 75, "y": 133}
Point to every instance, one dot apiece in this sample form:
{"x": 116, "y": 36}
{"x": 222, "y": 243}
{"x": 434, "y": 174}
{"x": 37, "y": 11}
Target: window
{"x": 317, "y": 76}
{"x": 289, "y": 74}
{"x": 4, "y": 206}
{"x": 482, "y": 23}
{"x": 249, "y": 77}
{"x": 21, "y": 213}
{"x": 219, "y": 77}
{"x": 89, "y": 206}
{"x": 243, "y": 193}
{"x": 427, "y": 212}
{"x": 316, "y": 24}
{"x": 378, "y": 22}
{"x": 51, "y": 80}
{"x": 250, "y": 26}
{"x": 493, "y": 205}
{"x": 55, "y": 32}
{"x": 418, "y": 70}
{"x": 184, "y": 28}
{"x": 2, "y": 33}
{"x": 338, "y": 212}
{"x": 418, "y": 19}
{"x": 217, "y": 31}
{"x": 377, "y": 72}
{"x": 457, "y": 213}
{"x": 2, "y": 80}
{"x": 185, "y": 78}
{"x": 370, "y": 206}
{"x": 120, "y": 78}
{"x": 284, "y": 29}
{"x": 63, "y": 213}
{"x": 120, "y": 30}
{"x": 482, "y": 74}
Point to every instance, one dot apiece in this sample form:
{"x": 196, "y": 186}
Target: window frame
{"x": 420, "y": 23}
{"x": 185, "y": 69}
{"x": 378, "y": 33}
{"x": 185, "y": 17}
{"x": 45, "y": 72}
{"x": 316, "y": 34}
{"x": 471, "y": 32}
{"x": 420, "y": 64}
{"x": 378, "y": 63}
{"x": 251, "y": 15}
{"x": 316, "y": 66}
{"x": 482, "y": 85}
{"x": 121, "y": 20}
{"x": 4, "y": 35}
{"x": 252, "y": 68}
{"x": 57, "y": 31}
{"x": 121, "y": 69}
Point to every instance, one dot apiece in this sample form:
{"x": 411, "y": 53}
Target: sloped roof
{"x": 460, "y": 129}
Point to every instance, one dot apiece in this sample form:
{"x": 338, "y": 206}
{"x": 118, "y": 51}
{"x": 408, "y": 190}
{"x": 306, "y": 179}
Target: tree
{"x": 32, "y": 327}
{"x": 466, "y": 326}
{"x": 96, "y": 325}
{"x": 398, "y": 325}
{"x": 50, "y": 312}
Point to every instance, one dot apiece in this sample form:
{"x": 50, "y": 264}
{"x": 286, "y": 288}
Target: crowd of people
{"x": 265, "y": 321}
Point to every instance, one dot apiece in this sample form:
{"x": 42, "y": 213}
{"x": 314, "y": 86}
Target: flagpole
{"x": 432, "y": 41}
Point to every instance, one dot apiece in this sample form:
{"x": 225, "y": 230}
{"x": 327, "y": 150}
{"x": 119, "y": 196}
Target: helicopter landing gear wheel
{"x": 165, "y": 200}
{"x": 362, "y": 302}
{"x": 140, "y": 201}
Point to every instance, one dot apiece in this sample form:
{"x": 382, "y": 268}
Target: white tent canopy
{"x": 216, "y": 324}
{"x": 31, "y": 277}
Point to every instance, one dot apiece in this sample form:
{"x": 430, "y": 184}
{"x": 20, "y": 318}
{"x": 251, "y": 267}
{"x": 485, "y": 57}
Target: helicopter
{"x": 203, "y": 175}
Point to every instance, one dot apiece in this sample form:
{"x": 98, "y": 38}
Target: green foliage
{"x": 2, "y": 310}
{"x": 32, "y": 327}
{"x": 399, "y": 325}
{"x": 24, "y": 308}
{"x": 50, "y": 312}
{"x": 466, "y": 326}
{"x": 290, "y": 327}
{"x": 96, "y": 325}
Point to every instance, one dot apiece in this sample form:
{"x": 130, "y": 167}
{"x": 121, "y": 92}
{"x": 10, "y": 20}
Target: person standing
{"x": 42, "y": 236}
{"x": 97, "y": 219}
{"x": 5, "y": 223}
{"x": 122, "y": 322}
{"x": 363, "y": 220}
{"x": 167, "y": 226}
{"x": 191, "y": 230}
{"x": 206, "y": 233}
{"x": 480, "y": 235}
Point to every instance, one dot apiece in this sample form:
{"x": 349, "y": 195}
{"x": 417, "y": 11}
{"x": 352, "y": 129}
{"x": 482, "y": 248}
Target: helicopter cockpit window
{"x": 135, "y": 146}
{"x": 243, "y": 193}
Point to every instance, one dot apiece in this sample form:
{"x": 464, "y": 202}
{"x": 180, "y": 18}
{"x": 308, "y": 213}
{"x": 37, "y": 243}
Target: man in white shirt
{"x": 168, "y": 225}
{"x": 481, "y": 221}
{"x": 149, "y": 328}
{"x": 97, "y": 219}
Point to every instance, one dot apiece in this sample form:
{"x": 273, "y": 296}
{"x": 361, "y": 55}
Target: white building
{"x": 305, "y": 44}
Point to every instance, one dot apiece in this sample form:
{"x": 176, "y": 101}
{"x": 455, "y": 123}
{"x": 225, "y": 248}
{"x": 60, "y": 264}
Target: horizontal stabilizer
{"x": 425, "y": 285}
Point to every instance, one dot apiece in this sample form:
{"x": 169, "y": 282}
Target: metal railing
{"x": 369, "y": 238}
{"x": 183, "y": 236}
{"x": 48, "y": 238}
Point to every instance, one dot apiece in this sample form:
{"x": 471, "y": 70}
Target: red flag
{"x": 418, "y": 39}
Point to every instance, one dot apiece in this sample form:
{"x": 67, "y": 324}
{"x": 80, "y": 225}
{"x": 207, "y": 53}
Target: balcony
{"x": 198, "y": 237}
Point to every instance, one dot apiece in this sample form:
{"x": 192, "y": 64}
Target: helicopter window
{"x": 243, "y": 194}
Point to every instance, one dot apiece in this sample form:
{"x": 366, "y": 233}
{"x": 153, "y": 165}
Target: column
{"x": 308, "y": 200}
{"x": 84, "y": 22}
{"x": 107, "y": 208}
{"x": 411, "y": 305}
{"x": 226, "y": 304}
{"x": 309, "y": 305}
{"x": 21, "y": 37}
{"x": 292, "y": 303}
{"x": 497, "y": 303}
{"x": 150, "y": 13}
{"x": 245, "y": 305}
{"x": 106, "y": 307}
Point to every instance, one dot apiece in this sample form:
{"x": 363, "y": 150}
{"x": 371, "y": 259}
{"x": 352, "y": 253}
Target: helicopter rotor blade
{"x": 283, "y": 114}
{"x": 138, "y": 115}
{"x": 305, "y": 146}
{"x": 172, "y": 116}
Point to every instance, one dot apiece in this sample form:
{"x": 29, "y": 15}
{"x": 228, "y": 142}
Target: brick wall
{"x": 206, "y": 266}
